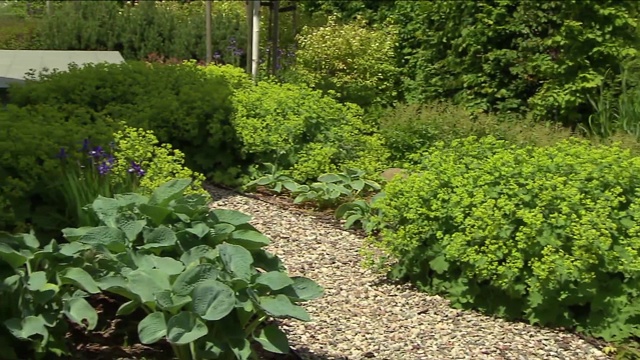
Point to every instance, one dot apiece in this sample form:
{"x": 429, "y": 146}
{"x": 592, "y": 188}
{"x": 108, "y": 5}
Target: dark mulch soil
{"x": 113, "y": 338}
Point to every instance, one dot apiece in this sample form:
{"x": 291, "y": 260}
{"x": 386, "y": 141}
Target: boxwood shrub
{"x": 548, "y": 234}
{"x": 182, "y": 106}
{"x": 30, "y": 138}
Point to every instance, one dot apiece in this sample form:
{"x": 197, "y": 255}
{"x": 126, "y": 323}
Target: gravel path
{"x": 363, "y": 316}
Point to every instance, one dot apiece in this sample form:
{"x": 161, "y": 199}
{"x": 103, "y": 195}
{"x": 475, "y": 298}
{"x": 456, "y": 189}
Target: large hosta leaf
{"x": 110, "y": 237}
{"x": 81, "y": 312}
{"x": 152, "y": 328}
{"x": 213, "y": 300}
{"x": 146, "y": 283}
{"x": 27, "y": 327}
{"x": 160, "y": 237}
{"x": 281, "y": 306}
{"x": 232, "y": 217}
{"x": 168, "y": 191}
{"x": 80, "y": 278}
{"x": 185, "y": 282}
{"x": 273, "y": 339}
{"x": 302, "y": 289}
{"x": 249, "y": 239}
{"x": 275, "y": 280}
{"x": 236, "y": 260}
{"x": 184, "y": 328}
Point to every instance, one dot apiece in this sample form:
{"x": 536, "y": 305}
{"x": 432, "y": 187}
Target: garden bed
{"x": 362, "y": 315}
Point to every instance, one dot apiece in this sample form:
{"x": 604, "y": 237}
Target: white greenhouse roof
{"x": 14, "y": 64}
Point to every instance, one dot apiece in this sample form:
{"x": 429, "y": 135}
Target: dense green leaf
{"x": 106, "y": 209}
{"x": 232, "y": 217}
{"x": 195, "y": 254}
{"x": 127, "y": 308}
{"x": 159, "y": 237}
{"x": 111, "y": 237}
{"x": 236, "y": 260}
{"x": 303, "y": 289}
{"x": 168, "y": 191}
{"x": 275, "y": 280}
{"x": 146, "y": 283}
{"x": 152, "y": 328}
{"x": 131, "y": 228}
{"x": 199, "y": 229}
{"x": 184, "y": 328}
{"x": 280, "y": 306}
{"x": 157, "y": 214}
{"x": 81, "y": 312}
{"x": 80, "y": 278}
{"x": 27, "y": 327}
{"x": 171, "y": 303}
{"x": 185, "y": 282}
{"x": 14, "y": 258}
{"x": 249, "y": 239}
{"x": 273, "y": 339}
{"x": 213, "y": 300}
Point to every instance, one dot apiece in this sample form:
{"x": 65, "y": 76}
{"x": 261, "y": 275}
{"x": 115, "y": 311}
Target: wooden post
{"x": 209, "y": 50}
{"x": 275, "y": 35}
{"x": 249, "y": 4}
{"x": 255, "y": 40}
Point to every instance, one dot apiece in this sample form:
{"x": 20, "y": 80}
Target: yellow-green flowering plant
{"x": 547, "y": 234}
{"x": 161, "y": 162}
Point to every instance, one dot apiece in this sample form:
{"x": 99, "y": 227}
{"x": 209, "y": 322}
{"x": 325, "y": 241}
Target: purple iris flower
{"x": 136, "y": 169}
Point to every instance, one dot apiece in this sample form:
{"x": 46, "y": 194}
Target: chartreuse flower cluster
{"x": 549, "y": 234}
{"x": 161, "y": 162}
{"x": 304, "y": 132}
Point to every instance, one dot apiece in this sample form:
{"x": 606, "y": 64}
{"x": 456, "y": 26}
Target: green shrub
{"x": 30, "y": 138}
{"x": 549, "y": 234}
{"x": 235, "y": 76}
{"x": 303, "y": 131}
{"x": 168, "y": 29}
{"x": 412, "y": 129}
{"x": 19, "y": 34}
{"x": 513, "y": 55}
{"x": 183, "y": 108}
{"x": 354, "y": 60}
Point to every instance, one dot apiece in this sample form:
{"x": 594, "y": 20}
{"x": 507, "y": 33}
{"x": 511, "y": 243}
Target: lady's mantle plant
{"x": 202, "y": 275}
{"x": 550, "y": 234}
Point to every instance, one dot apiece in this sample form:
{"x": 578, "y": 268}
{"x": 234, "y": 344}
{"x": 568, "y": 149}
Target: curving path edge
{"x": 361, "y": 316}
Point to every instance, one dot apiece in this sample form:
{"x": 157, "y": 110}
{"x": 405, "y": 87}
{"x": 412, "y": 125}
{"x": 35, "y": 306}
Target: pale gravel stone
{"x": 363, "y": 316}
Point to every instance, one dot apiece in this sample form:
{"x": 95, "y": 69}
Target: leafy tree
{"x": 510, "y": 55}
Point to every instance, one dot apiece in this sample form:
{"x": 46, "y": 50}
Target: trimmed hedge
{"x": 182, "y": 106}
{"x": 30, "y": 138}
{"x": 549, "y": 234}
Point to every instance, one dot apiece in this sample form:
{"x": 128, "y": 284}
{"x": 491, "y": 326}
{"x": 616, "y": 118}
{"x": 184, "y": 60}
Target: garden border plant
{"x": 193, "y": 269}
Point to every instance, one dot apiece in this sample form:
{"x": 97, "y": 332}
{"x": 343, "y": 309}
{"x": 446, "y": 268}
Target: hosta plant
{"x": 359, "y": 213}
{"x": 273, "y": 179}
{"x": 201, "y": 275}
{"x": 334, "y": 188}
{"x": 42, "y": 289}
